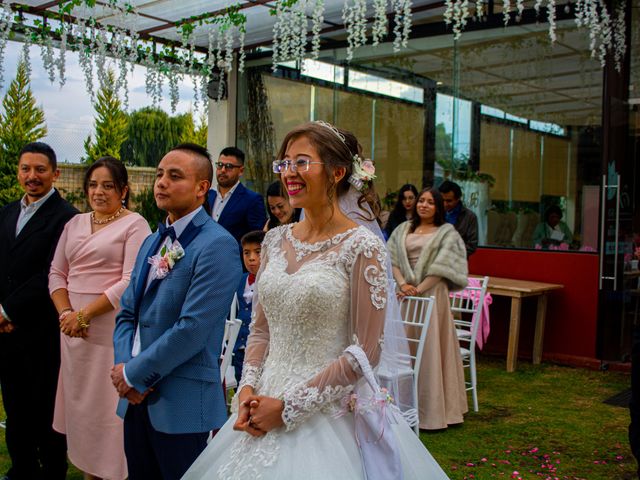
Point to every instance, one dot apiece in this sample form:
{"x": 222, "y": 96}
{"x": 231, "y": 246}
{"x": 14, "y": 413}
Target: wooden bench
{"x": 517, "y": 290}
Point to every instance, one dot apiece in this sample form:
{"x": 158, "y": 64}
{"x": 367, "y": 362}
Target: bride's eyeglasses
{"x": 297, "y": 165}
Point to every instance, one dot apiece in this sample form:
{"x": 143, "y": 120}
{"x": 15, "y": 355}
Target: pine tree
{"x": 21, "y": 122}
{"x": 111, "y": 123}
{"x": 192, "y": 133}
{"x": 200, "y": 135}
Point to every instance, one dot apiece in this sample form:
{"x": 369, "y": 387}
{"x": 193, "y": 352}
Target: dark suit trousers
{"x": 156, "y": 455}
{"x": 29, "y": 378}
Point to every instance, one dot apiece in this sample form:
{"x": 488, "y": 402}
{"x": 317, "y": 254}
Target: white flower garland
{"x": 355, "y": 21}
{"x": 296, "y": 20}
{"x": 506, "y": 10}
{"x": 5, "y": 29}
{"x": 85, "y": 35}
{"x": 457, "y": 14}
{"x": 619, "y": 40}
{"x": 48, "y": 62}
{"x": 317, "y": 18}
{"x": 289, "y": 33}
{"x": 402, "y": 28}
{"x": 519, "y": 9}
{"x": 551, "y": 18}
{"x": 175, "y": 77}
{"x": 26, "y": 54}
{"x": 61, "y": 63}
{"x": 380, "y": 22}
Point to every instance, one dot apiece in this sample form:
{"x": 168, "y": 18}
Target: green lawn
{"x": 541, "y": 422}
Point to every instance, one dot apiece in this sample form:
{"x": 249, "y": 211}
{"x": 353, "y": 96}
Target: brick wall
{"x": 72, "y": 175}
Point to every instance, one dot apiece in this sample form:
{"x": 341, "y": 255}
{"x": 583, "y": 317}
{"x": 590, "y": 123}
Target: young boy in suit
{"x": 251, "y": 244}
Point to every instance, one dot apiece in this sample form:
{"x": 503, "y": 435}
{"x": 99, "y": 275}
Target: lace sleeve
{"x": 258, "y": 341}
{"x": 368, "y": 284}
{"x": 257, "y": 347}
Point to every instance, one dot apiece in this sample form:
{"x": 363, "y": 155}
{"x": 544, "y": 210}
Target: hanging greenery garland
{"x": 296, "y": 36}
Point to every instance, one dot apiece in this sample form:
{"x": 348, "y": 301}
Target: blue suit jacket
{"x": 181, "y": 321}
{"x": 244, "y": 314}
{"x": 244, "y": 213}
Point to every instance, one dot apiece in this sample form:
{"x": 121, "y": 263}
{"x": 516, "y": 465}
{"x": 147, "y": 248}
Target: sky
{"x": 68, "y": 112}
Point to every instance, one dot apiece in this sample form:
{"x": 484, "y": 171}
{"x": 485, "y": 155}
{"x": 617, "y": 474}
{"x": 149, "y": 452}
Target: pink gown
{"x": 88, "y": 265}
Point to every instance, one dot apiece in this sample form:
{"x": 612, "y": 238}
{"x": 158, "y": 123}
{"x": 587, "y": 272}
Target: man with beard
{"x": 29, "y": 333}
{"x": 235, "y": 207}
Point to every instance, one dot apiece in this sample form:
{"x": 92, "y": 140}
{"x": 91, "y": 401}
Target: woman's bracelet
{"x": 64, "y": 313}
{"x": 82, "y": 323}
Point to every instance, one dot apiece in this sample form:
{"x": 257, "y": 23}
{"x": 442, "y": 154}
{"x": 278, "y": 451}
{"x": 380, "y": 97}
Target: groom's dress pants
{"x": 156, "y": 455}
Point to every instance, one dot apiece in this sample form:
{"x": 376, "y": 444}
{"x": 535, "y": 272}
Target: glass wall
{"x": 389, "y": 125}
{"x": 514, "y": 119}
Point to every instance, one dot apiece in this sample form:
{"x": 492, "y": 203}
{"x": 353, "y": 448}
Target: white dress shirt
{"x": 28, "y": 211}
{"x": 248, "y": 291}
{"x": 220, "y": 201}
{"x": 179, "y": 227}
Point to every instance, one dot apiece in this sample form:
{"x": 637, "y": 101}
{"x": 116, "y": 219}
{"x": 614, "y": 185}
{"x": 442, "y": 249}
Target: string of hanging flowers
{"x": 296, "y": 35}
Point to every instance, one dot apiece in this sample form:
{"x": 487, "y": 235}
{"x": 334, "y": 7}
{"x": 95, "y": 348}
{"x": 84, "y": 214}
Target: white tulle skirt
{"x": 322, "y": 448}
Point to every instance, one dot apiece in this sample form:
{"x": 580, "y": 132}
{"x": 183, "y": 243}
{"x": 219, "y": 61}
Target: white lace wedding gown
{"x": 314, "y": 301}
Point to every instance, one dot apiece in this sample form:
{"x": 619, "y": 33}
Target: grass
{"x": 543, "y": 422}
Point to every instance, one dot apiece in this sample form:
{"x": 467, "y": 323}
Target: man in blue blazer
{"x": 168, "y": 335}
{"x": 232, "y": 205}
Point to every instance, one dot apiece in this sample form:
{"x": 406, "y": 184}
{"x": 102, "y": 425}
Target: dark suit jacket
{"x": 467, "y": 227}
{"x": 24, "y": 269}
{"x": 244, "y": 213}
{"x": 244, "y": 314}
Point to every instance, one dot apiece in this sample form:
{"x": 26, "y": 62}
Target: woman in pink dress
{"x": 90, "y": 271}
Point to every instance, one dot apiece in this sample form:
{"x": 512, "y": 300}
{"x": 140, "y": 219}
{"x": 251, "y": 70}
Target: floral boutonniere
{"x": 166, "y": 259}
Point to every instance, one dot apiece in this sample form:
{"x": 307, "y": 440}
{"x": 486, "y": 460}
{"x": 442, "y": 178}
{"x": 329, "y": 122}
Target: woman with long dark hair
{"x": 403, "y": 209}
{"x": 429, "y": 258}
{"x": 280, "y": 210}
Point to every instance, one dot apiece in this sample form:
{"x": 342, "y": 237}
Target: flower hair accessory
{"x": 363, "y": 172}
{"x": 166, "y": 259}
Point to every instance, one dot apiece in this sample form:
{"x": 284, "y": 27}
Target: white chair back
{"x": 467, "y": 305}
{"x": 231, "y": 330}
{"x": 416, "y": 315}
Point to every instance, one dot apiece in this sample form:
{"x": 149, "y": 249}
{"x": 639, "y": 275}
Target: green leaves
{"x": 111, "y": 123}
{"x": 21, "y": 122}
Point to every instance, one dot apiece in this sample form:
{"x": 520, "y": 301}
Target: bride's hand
{"x": 243, "y": 422}
{"x": 265, "y": 413}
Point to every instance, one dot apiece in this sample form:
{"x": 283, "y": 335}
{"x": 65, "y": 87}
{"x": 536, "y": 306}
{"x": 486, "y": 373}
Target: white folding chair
{"x": 231, "y": 330}
{"x": 416, "y": 315}
{"x": 467, "y": 304}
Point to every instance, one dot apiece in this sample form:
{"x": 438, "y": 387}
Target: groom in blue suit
{"x": 168, "y": 334}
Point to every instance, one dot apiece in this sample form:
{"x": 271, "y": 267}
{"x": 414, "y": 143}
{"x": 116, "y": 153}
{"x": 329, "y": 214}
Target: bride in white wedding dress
{"x": 322, "y": 287}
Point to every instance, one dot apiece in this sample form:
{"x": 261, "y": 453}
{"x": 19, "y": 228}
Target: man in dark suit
{"x": 235, "y": 207}
{"x": 29, "y": 334}
{"x": 168, "y": 334}
{"x": 463, "y": 219}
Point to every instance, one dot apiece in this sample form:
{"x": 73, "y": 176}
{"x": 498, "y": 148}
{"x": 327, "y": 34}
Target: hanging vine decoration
{"x": 296, "y": 36}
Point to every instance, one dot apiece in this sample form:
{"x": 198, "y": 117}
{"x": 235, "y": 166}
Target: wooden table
{"x": 517, "y": 290}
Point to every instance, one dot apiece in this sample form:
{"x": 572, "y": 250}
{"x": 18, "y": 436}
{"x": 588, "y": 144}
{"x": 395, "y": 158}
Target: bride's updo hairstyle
{"x": 336, "y": 148}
